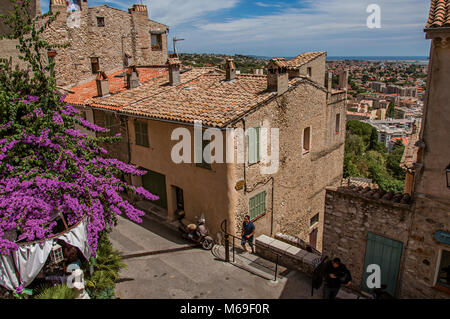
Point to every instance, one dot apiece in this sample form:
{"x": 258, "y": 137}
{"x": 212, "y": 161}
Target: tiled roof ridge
{"x": 376, "y": 194}
{"x": 439, "y": 14}
{"x": 297, "y": 81}
{"x": 304, "y": 58}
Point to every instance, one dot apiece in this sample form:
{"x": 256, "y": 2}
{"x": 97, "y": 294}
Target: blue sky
{"x": 287, "y": 28}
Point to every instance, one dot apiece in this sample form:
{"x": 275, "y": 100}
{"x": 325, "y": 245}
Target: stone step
{"x": 251, "y": 263}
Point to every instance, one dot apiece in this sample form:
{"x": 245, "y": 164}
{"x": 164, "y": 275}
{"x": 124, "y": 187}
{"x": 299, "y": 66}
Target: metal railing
{"x": 224, "y": 228}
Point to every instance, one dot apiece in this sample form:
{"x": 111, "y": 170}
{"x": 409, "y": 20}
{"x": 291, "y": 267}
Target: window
{"x": 444, "y": 270}
{"x": 314, "y": 220}
{"x": 338, "y": 123}
{"x": 309, "y": 72}
{"x": 110, "y": 123}
{"x": 204, "y": 163}
{"x": 257, "y": 206}
{"x": 156, "y": 42}
{"x": 306, "y": 140}
{"x": 100, "y": 22}
{"x": 254, "y": 152}
{"x": 141, "y": 131}
{"x": 95, "y": 65}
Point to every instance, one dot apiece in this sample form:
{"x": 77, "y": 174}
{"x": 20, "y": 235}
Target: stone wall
{"x": 123, "y": 32}
{"x": 6, "y": 6}
{"x": 423, "y": 255}
{"x": 286, "y": 255}
{"x": 350, "y": 216}
{"x": 297, "y": 192}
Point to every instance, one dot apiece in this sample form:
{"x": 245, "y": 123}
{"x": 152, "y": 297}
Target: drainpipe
{"x": 271, "y": 223}
{"x": 245, "y": 156}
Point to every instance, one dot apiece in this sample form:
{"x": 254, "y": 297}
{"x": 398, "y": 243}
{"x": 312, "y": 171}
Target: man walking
{"x": 336, "y": 274}
{"x": 248, "y": 230}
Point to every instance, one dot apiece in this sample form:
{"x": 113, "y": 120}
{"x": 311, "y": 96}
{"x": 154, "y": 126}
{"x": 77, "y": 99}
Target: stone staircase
{"x": 252, "y": 263}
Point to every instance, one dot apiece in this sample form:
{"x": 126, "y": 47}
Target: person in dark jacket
{"x": 248, "y": 231}
{"x": 336, "y": 275}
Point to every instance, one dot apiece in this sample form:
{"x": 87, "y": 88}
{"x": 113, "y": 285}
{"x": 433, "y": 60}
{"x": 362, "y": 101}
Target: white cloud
{"x": 175, "y": 12}
{"x": 319, "y": 25}
{"x": 268, "y": 5}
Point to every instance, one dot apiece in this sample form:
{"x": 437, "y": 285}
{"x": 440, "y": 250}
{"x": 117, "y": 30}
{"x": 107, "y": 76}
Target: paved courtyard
{"x": 176, "y": 270}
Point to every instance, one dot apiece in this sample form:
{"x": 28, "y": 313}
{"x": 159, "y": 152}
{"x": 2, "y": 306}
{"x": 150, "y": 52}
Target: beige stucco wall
{"x": 431, "y": 194}
{"x": 435, "y": 125}
{"x": 205, "y": 191}
{"x": 299, "y": 185}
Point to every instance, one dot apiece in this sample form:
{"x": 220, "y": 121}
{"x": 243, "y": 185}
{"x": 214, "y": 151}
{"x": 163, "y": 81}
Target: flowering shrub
{"x": 48, "y": 167}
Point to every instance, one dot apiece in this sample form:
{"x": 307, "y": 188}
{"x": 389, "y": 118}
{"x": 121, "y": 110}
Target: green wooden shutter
{"x": 254, "y": 155}
{"x": 258, "y": 147}
{"x": 257, "y": 205}
{"x": 387, "y": 254}
{"x": 252, "y": 208}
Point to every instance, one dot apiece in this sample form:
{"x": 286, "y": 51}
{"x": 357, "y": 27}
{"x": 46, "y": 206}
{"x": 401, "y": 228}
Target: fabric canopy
{"x": 29, "y": 260}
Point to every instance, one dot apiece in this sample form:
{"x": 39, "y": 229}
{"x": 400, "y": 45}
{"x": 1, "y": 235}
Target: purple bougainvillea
{"x": 49, "y": 169}
{"x": 60, "y": 170}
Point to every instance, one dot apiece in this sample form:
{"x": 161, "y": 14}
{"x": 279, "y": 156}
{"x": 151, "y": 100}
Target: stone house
{"x": 101, "y": 38}
{"x": 309, "y": 114}
{"x": 408, "y": 238}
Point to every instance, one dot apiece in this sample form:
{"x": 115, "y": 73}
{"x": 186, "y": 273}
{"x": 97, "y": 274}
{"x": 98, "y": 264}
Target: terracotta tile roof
{"x": 59, "y": 2}
{"x": 439, "y": 14}
{"x": 279, "y": 62}
{"x": 117, "y": 83}
{"x": 203, "y": 95}
{"x": 303, "y": 58}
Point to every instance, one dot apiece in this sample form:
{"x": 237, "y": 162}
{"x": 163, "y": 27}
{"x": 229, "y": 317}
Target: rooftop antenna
{"x": 175, "y": 40}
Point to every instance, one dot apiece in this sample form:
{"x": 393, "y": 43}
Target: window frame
{"x": 437, "y": 284}
{"x": 309, "y": 72}
{"x": 95, "y": 61}
{"x": 159, "y": 46}
{"x": 110, "y": 123}
{"x": 312, "y": 225}
{"x": 254, "y": 146}
{"x": 338, "y": 123}
{"x": 204, "y": 164}
{"x": 101, "y": 19}
{"x": 140, "y": 134}
{"x": 260, "y": 202}
{"x": 306, "y": 151}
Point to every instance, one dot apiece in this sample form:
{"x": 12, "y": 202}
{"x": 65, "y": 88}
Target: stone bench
{"x": 289, "y": 256}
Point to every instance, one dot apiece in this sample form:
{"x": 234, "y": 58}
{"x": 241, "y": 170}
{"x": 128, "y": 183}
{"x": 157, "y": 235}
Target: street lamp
{"x": 447, "y": 173}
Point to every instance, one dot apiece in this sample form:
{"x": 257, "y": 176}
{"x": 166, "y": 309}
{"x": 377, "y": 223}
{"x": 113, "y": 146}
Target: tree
{"x": 394, "y": 159}
{"x": 47, "y": 166}
{"x": 390, "y": 113}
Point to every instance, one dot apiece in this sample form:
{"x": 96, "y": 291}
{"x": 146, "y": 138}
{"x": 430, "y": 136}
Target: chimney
{"x": 230, "y": 69}
{"x": 343, "y": 80}
{"x": 139, "y": 9}
{"x": 132, "y": 78}
{"x": 174, "y": 65}
{"x": 277, "y": 77}
{"x": 102, "y": 84}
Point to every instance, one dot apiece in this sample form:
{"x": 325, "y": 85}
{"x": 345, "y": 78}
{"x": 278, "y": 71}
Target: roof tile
{"x": 439, "y": 14}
